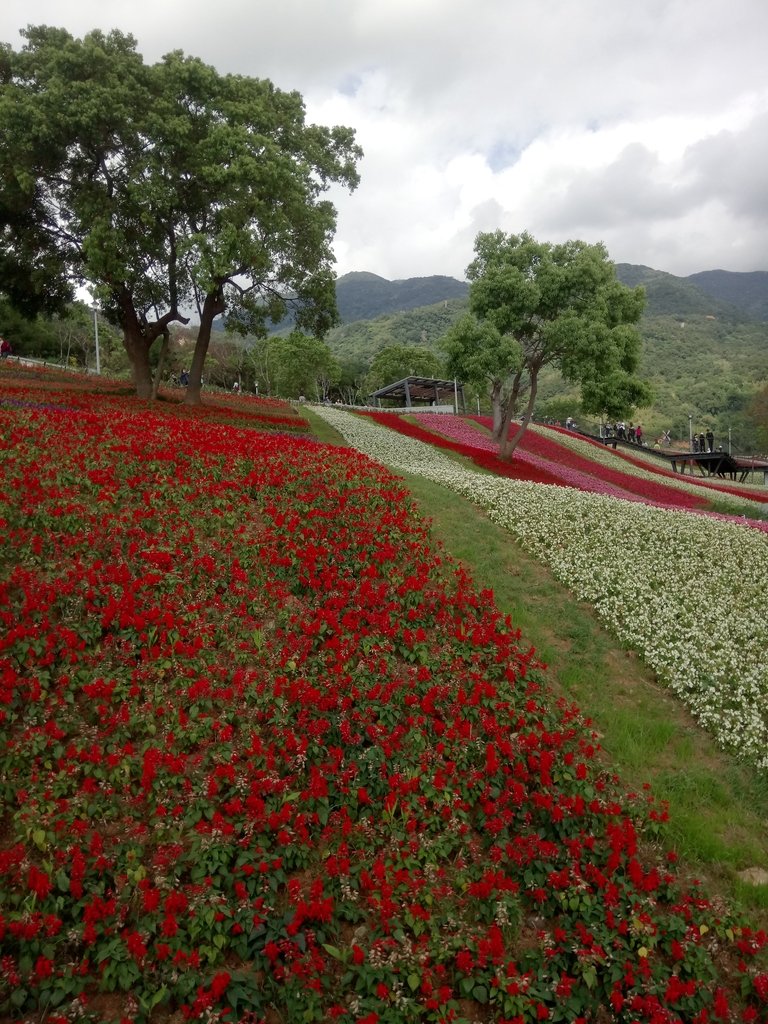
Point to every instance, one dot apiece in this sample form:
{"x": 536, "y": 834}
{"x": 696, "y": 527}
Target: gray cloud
{"x": 732, "y": 167}
{"x": 643, "y": 125}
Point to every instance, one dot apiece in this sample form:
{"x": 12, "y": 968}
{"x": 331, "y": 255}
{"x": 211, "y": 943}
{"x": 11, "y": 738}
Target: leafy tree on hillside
{"x": 758, "y": 411}
{"x": 75, "y": 333}
{"x": 563, "y": 307}
{"x": 395, "y": 362}
{"x": 27, "y": 335}
{"x": 302, "y": 365}
{"x": 167, "y": 186}
{"x": 481, "y": 355}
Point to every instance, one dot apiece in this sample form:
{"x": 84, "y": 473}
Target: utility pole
{"x": 96, "y": 334}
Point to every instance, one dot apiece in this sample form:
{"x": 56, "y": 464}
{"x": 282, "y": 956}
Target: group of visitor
{"x": 633, "y": 433}
{"x": 703, "y": 442}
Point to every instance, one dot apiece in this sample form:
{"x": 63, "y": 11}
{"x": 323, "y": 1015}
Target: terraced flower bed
{"x": 267, "y": 754}
{"x": 73, "y": 390}
{"x": 685, "y": 589}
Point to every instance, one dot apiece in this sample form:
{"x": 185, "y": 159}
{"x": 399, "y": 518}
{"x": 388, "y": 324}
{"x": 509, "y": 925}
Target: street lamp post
{"x": 95, "y": 309}
{"x": 690, "y": 430}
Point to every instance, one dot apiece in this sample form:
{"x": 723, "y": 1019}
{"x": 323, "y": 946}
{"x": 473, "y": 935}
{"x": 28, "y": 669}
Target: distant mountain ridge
{"x": 747, "y": 291}
{"x": 363, "y": 296}
{"x": 722, "y": 293}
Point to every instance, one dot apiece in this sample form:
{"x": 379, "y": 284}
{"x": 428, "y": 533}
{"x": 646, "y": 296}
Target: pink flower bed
{"x": 569, "y": 468}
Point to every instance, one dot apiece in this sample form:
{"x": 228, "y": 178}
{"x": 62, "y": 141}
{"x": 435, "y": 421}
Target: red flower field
{"x": 267, "y": 754}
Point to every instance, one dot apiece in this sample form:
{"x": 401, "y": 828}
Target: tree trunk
{"x": 139, "y": 336}
{"x": 161, "y": 363}
{"x": 507, "y": 448}
{"x": 507, "y": 412}
{"x": 138, "y": 353}
{"x": 496, "y": 407}
{"x": 212, "y": 307}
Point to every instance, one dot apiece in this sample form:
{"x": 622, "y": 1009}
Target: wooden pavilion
{"x": 428, "y": 391}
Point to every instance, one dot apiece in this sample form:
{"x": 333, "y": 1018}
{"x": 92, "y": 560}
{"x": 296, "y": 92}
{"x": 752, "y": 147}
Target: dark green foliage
{"x": 27, "y": 335}
{"x": 422, "y": 327}
{"x": 303, "y": 366}
{"x": 708, "y": 369}
{"x": 758, "y": 412}
{"x": 395, "y": 362}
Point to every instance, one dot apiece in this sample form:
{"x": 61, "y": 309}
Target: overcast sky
{"x": 639, "y": 123}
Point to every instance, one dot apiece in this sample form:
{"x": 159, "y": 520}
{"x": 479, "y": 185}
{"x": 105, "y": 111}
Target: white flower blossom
{"x": 686, "y": 591}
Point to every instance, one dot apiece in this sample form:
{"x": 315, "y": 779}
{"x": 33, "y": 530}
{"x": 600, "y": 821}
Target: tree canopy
{"x": 480, "y": 354}
{"x": 303, "y": 366}
{"x": 535, "y": 304}
{"x": 395, "y": 362}
{"x": 170, "y": 187}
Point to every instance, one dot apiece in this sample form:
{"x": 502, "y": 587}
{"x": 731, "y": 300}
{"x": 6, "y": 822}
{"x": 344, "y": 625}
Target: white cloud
{"x": 641, "y": 125}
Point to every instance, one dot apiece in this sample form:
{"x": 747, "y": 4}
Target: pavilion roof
{"x": 424, "y": 388}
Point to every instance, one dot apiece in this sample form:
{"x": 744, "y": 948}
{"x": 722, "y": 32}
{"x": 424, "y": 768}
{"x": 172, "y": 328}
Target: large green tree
{"x": 535, "y": 304}
{"x": 481, "y": 355}
{"x": 302, "y": 366}
{"x": 171, "y": 188}
{"x": 395, "y": 362}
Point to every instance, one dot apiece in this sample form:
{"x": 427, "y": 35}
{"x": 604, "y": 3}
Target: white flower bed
{"x": 686, "y": 591}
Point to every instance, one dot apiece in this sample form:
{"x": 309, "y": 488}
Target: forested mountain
{"x": 395, "y": 314}
{"x": 359, "y": 341}
{"x": 734, "y": 297}
{"x": 714, "y": 292}
{"x": 362, "y": 296}
{"x": 749, "y": 292}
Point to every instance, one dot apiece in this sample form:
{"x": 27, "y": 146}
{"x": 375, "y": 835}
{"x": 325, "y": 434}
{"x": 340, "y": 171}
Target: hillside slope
{"x": 365, "y": 296}
{"x": 362, "y": 296}
{"x": 749, "y": 291}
